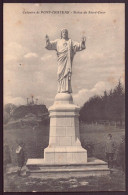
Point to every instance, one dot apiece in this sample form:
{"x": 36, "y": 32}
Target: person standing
{"x": 110, "y": 150}
{"x": 20, "y": 156}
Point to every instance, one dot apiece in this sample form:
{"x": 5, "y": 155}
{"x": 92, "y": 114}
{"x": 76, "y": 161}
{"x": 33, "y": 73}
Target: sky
{"x": 30, "y": 69}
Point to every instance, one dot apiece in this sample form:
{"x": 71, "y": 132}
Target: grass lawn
{"x": 35, "y": 142}
{"x": 113, "y": 182}
{"x": 96, "y": 136}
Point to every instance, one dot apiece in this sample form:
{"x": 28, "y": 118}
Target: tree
{"x": 110, "y": 106}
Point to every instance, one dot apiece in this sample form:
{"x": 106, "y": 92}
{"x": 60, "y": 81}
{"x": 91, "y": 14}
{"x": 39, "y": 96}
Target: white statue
{"x": 66, "y": 49}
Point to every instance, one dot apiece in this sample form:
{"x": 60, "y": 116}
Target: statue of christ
{"x": 66, "y": 49}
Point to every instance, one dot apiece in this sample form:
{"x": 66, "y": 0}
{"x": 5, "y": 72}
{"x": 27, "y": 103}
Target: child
{"x": 20, "y": 156}
{"x": 109, "y": 150}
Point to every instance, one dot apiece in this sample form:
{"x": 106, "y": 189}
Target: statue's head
{"x": 64, "y": 33}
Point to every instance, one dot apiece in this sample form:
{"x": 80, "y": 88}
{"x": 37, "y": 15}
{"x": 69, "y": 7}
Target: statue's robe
{"x": 66, "y": 50}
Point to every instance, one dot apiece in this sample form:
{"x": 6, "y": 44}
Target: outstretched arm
{"x": 50, "y": 45}
{"x": 79, "y": 46}
{"x": 83, "y": 42}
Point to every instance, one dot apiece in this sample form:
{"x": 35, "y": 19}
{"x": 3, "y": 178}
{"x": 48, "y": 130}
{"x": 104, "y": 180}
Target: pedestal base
{"x": 94, "y": 167}
{"x": 69, "y": 154}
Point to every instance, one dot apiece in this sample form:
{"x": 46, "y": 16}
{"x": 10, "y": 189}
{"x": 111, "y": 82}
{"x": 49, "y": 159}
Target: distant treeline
{"x": 12, "y": 112}
{"x": 109, "y": 107}
{"x": 22, "y": 111}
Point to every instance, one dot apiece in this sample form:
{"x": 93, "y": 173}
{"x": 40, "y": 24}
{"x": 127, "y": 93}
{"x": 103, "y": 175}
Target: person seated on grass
{"x": 20, "y": 156}
{"x": 110, "y": 150}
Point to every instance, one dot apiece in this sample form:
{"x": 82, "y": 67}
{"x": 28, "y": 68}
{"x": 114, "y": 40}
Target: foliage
{"x": 110, "y": 106}
{"x": 16, "y": 116}
{"x": 6, "y": 117}
{"x": 24, "y": 110}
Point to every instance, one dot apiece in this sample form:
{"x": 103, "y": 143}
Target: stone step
{"x": 92, "y": 161}
{"x": 67, "y": 173}
{"x": 84, "y": 167}
{"x": 40, "y": 170}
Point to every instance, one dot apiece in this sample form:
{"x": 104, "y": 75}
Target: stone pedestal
{"x": 64, "y": 156}
{"x": 64, "y": 142}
